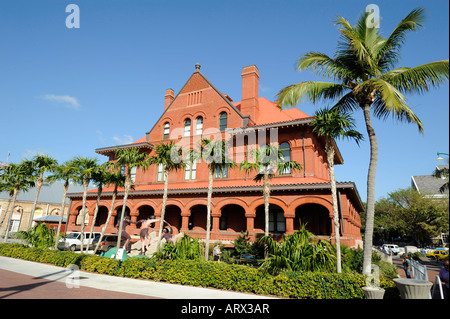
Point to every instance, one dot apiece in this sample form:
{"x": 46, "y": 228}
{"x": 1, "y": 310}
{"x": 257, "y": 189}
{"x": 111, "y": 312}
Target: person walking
{"x": 406, "y": 265}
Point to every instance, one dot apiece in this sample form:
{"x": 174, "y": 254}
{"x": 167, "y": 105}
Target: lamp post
{"x": 439, "y": 156}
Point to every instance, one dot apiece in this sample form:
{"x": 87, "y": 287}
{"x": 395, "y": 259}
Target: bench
{"x": 247, "y": 258}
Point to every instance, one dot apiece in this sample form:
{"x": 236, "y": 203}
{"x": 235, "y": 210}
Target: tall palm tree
{"x": 365, "y": 78}
{"x": 118, "y": 180}
{"x": 215, "y": 155}
{"x": 18, "y": 176}
{"x": 66, "y": 172}
{"x": 40, "y": 164}
{"x": 167, "y": 155}
{"x": 86, "y": 168}
{"x": 128, "y": 159}
{"x": 6, "y": 185}
{"x": 268, "y": 159}
{"x": 331, "y": 125}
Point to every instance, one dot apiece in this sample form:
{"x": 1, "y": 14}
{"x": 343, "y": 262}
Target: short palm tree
{"x": 18, "y": 177}
{"x": 267, "y": 160}
{"x": 331, "y": 125}
{"x": 443, "y": 174}
{"x": 66, "y": 172}
{"x": 128, "y": 159}
{"x": 169, "y": 156}
{"x": 215, "y": 155}
{"x": 365, "y": 78}
{"x": 40, "y": 165}
{"x": 118, "y": 180}
{"x": 86, "y": 168}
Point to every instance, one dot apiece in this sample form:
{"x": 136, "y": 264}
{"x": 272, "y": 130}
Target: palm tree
{"x": 168, "y": 156}
{"x": 443, "y": 174}
{"x": 18, "y": 176}
{"x": 333, "y": 124}
{"x": 215, "y": 156}
{"x": 365, "y": 78}
{"x": 40, "y": 164}
{"x": 99, "y": 178}
{"x": 118, "y": 180}
{"x": 268, "y": 159}
{"x": 128, "y": 158}
{"x": 66, "y": 172}
{"x": 86, "y": 168}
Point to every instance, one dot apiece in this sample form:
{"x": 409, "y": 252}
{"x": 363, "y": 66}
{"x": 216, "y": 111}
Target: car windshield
{"x": 73, "y": 235}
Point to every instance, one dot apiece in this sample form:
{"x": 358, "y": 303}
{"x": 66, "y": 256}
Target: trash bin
{"x": 373, "y": 292}
{"x": 413, "y": 288}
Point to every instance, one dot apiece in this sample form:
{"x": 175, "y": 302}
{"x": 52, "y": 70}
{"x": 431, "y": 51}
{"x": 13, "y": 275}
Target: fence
{"x": 419, "y": 271}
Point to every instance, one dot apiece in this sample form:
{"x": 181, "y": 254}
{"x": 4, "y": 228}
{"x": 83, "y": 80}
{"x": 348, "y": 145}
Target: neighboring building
{"x": 49, "y": 204}
{"x": 429, "y": 185}
{"x": 200, "y": 109}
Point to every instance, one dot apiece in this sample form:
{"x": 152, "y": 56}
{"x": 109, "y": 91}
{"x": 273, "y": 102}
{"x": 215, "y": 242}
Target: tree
{"x": 365, "y": 78}
{"x": 118, "y": 180}
{"x": 128, "y": 159}
{"x": 215, "y": 155}
{"x": 86, "y": 168}
{"x": 66, "y": 172}
{"x": 331, "y": 125}
{"x": 169, "y": 157}
{"x": 267, "y": 160}
{"x": 442, "y": 172}
{"x": 18, "y": 177}
{"x": 39, "y": 165}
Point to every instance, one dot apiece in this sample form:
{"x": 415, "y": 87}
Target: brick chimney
{"x": 168, "y": 98}
{"x": 250, "y": 89}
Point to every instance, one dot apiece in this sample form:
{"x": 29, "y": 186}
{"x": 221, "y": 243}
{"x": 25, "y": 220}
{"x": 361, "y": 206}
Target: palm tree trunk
{"x": 63, "y": 204}
{"x": 83, "y": 213}
{"x": 124, "y": 207}
{"x": 99, "y": 195}
{"x": 370, "y": 209}
{"x": 7, "y": 209}
{"x": 113, "y": 202}
{"x": 208, "y": 211}
{"x": 330, "y": 159}
{"x": 39, "y": 184}
{"x": 266, "y": 195}
{"x": 163, "y": 208}
{"x": 16, "y": 191}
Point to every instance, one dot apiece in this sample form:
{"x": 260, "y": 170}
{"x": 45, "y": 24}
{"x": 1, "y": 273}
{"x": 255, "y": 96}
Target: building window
{"x": 199, "y": 126}
{"x": 190, "y": 170}
{"x": 187, "y": 127}
{"x": 166, "y": 131}
{"x": 222, "y": 172}
{"x": 160, "y": 174}
{"x": 277, "y": 222}
{"x": 133, "y": 174}
{"x": 223, "y": 121}
{"x": 285, "y": 149}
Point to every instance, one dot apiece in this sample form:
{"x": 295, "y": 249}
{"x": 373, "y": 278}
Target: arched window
{"x": 199, "y": 126}
{"x": 285, "y": 149}
{"x": 166, "y": 131}
{"x": 223, "y": 121}
{"x": 187, "y": 127}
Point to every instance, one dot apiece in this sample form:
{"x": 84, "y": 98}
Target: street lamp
{"x": 439, "y": 157}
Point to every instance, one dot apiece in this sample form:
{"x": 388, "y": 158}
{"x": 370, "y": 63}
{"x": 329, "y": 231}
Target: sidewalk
{"x": 38, "y": 280}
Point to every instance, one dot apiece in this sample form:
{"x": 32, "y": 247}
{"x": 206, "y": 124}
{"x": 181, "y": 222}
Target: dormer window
{"x": 223, "y": 117}
{"x": 187, "y": 127}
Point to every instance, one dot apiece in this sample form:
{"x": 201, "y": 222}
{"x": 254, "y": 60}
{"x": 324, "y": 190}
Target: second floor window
{"x": 166, "y": 131}
{"x": 187, "y": 127}
{"x": 160, "y": 174}
{"x": 190, "y": 170}
{"x": 199, "y": 126}
{"x": 223, "y": 117}
{"x": 222, "y": 172}
{"x": 285, "y": 149}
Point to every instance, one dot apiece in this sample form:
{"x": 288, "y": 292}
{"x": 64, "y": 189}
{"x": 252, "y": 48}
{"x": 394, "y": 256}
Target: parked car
{"x": 437, "y": 254}
{"x": 390, "y": 248}
{"x": 108, "y": 242}
{"x": 73, "y": 241}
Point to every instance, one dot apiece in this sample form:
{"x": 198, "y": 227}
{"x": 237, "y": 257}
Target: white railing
{"x": 438, "y": 283}
{"x": 419, "y": 271}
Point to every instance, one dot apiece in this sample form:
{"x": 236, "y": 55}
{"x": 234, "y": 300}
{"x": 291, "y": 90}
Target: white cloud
{"x": 66, "y": 100}
{"x": 126, "y": 139}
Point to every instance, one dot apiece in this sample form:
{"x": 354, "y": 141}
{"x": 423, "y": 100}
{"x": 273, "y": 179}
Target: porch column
{"x": 185, "y": 214}
{"x": 250, "y": 216}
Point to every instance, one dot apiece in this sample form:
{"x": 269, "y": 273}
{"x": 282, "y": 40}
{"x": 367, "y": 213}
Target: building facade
{"x": 200, "y": 110}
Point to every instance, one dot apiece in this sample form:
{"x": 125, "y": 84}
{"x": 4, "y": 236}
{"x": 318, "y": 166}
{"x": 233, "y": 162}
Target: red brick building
{"x": 200, "y": 109}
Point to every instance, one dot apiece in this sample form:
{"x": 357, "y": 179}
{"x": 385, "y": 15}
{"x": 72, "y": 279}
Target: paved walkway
{"x": 25, "y": 279}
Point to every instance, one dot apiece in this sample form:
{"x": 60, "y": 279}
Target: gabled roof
{"x": 428, "y": 184}
{"x": 141, "y": 143}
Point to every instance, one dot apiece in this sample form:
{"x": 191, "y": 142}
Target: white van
{"x": 390, "y": 248}
{"x": 73, "y": 241}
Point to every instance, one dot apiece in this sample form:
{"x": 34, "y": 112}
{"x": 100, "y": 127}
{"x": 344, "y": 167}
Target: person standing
{"x": 443, "y": 275}
{"x": 406, "y": 265}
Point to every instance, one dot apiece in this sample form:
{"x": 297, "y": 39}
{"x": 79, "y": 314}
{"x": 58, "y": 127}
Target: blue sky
{"x": 66, "y": 92}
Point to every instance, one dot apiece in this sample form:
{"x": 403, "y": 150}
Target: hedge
{"x": 302, "y": 285}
